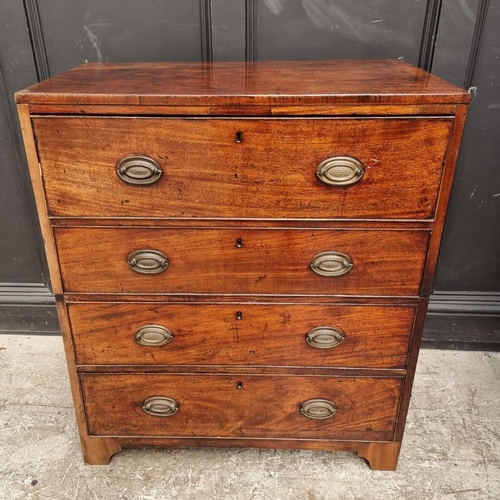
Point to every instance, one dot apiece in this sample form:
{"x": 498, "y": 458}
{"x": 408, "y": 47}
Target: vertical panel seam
{"x": 475, "y": 46}
{"x": 250, "y": 30}
{"x": 429, "y": 34}
{"x": 206, "y": 30}
{"x": 37, "y": 41}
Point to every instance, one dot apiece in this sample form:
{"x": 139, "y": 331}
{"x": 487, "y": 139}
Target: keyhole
{"x": 239, "y": 385}
{"x": 239, "y": 315}
{"x": 239, "y": 243}
{"x": 238, "y": 137}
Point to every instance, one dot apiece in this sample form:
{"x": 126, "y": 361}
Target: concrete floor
{"x": 451, "y": 448}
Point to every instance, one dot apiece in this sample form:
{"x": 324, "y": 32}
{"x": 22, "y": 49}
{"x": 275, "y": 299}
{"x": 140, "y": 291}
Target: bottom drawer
{"x": 249, "y": 406}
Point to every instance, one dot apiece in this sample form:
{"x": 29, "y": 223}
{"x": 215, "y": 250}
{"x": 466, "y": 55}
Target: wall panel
{"x": 76, "y": 31}
{"x": 20, "y": 259}
{"x": 470, "y": 254}
{"x": 323, "y": 29}
{"x": 454, "y": 38}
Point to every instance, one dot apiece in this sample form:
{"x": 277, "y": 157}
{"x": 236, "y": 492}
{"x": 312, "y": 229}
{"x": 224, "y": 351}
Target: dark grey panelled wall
{"x": 19, "y": 260}
{"x": 25, "y": 301}
{"x": 120, "y": 31}
{"x": 466, "y": 305}
{"x": 458, "y": 40}
{"x": 318, "y": 29}
{"x": 470, "y": 255}
{"x": 454, "y": 39}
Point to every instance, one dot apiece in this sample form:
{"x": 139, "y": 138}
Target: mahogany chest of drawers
{"x": 242, "y": 254}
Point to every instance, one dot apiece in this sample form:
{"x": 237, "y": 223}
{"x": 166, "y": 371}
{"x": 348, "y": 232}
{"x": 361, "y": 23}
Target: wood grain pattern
{"x": 444, "y": 196}
{"x": 262, "y": 110}
{"x": 272, "y": 173}
{"x": 416, "y": 340}
{"x": 39, "y": 193}
{"x": 380, "y": 456}
{"x": 197, "y": 223}
{"x": 227, "y": 369}
{"x": 73, "y": 298}
{"x": 264, "y": 406}
{"x": 212, "y": 334}
{"x": 236, "y": 84}
{"x": 98, "y": 451}
{"x": 269, "y": 262}
{"x": 69, "y": 351}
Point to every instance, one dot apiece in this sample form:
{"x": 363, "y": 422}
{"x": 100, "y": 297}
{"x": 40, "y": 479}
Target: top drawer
{"x": 242, "y": 168}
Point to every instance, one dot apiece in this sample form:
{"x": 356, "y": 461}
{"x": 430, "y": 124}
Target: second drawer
{"x": 242, "y": 334}
{"x": 242, "y": 261}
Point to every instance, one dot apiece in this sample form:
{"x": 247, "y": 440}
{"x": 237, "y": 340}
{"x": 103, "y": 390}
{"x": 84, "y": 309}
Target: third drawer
{"x": 309, "y": 335}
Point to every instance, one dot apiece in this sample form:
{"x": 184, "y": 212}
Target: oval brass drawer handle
{"x": 318, "y": 409}
{"x": 331, "y": 264}
{"x": 160, "y": 406}
{"x": 153, "y": 335}
{"x": 148, "y": 261}
{"x": 340, "y": 171}
{"x": 325, "y": 337}
{"x": 138, "y": 170}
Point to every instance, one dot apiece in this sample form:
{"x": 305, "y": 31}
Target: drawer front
{"x": 242, "y": 167}
{"x": 240, "y": 406}
{"x": 241, "y": 261}
{"x": 241, "y": 334}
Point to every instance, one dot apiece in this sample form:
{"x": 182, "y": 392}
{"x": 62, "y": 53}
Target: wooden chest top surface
{"x": 238, "y": 83}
